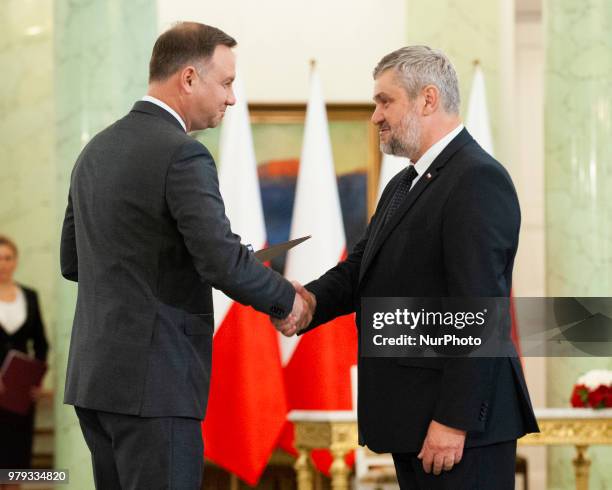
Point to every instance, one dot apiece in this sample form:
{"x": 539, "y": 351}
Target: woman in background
{"x": 20, "y": 324}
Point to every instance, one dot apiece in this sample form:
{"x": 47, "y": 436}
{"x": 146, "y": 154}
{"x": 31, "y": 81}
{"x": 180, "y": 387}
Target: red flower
{"x": 597, "y": 397}
{"x": 580, "y": 396}
{"x": 608, "y": 399}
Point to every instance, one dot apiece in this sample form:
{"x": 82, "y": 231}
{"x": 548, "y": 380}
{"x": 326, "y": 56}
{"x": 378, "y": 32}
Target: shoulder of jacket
{"x": 188, "y": 147}
{"x": 475, "y": 161}
{"x": 28, "y": 292}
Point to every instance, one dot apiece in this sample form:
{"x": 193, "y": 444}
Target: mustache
{"x": 383, "y": 127}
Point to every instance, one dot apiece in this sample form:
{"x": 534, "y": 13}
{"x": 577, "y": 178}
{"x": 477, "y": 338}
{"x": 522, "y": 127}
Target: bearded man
{"x": 445, "y": 226}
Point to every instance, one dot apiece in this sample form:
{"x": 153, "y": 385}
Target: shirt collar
{"x": 163, "y": 105}
{"x": 434, "y": 150}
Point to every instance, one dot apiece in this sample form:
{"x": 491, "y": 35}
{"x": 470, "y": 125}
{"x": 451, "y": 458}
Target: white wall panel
{"x": 277, "y": 38}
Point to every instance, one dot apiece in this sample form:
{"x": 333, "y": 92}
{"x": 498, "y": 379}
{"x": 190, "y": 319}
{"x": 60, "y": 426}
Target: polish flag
{"x": 477, "y": 120}
{"x": 247, "y": 407}
{"x": 318, "y": 364}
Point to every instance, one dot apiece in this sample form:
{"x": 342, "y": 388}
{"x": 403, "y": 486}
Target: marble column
{"x": 578, "y": 183}
{"x": 102, "y": 49}
{"x": 27, "y": 190}
{"x": 26, "y": 145}
{"x": 469, "y": 30}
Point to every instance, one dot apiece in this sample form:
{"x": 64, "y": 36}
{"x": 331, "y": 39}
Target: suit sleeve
{"x": 336, "y": 289}
{"x": 480, "y": 235}
{"x": 194, "y": 200}
{"x": 68, "y": 250}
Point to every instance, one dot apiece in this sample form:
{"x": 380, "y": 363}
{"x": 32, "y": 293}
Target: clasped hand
{"x": 443, "y": 445}
{"x": 304, "y": 306}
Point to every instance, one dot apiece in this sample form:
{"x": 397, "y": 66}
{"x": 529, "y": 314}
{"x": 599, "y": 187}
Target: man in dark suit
{"x": 446, "y": 226}
{"x": 146, "y": 237}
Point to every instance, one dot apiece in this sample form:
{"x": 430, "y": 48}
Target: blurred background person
{"x": 21, "y": 328}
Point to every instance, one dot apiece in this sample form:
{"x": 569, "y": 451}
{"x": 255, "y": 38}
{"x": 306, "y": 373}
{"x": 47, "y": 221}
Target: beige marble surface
{"x": 578, "y": 165}
{"x": 102, "y": 50}
{"x": 469, "y": 30}
{"x": 26, "y": 145}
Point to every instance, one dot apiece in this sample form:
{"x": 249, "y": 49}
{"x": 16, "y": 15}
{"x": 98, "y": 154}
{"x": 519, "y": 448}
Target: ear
{"x": 187, "y": 78}
{"x": 431, "y": 98}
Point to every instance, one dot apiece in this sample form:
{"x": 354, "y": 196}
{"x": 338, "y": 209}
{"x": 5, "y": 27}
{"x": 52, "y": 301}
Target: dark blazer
{"x": 456, "y": 234}
{"x": 146, "y": 236}
{"x": 31, "y": 331}
{"x": 17, "y": 429}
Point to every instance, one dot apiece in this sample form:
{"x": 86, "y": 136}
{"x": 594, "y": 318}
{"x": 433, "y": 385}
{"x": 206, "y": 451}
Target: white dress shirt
{"x": 13, "y": 313}
{"x": 165, "y": 106}
{"x": 432, "y": 153}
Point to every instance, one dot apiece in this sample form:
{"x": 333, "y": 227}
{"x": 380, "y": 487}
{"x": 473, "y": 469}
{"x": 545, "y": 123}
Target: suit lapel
{"x": 376, "y": 226}
{"x": 381, "y": 232}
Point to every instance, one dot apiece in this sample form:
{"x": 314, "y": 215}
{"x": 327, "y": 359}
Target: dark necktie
{"x": 401, "y": 192}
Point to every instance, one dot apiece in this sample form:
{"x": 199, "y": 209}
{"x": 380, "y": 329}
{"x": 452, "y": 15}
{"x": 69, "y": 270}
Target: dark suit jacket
{"x": 456, "y": 234}
{"x": 18, "y": 430}
{"x": 146, "y": 236}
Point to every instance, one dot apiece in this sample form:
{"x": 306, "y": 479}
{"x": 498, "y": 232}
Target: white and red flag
{"x": 247, "y": 407}
{"x": 317, "y": 365}
{"x": 477, "y": 120}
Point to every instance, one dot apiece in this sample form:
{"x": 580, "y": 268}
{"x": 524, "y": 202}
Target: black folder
{"x": 266, "y": 254}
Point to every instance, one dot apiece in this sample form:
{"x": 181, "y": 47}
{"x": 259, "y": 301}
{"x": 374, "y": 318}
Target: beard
{"x": 405, "y": 140}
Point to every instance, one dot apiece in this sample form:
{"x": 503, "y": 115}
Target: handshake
{"x": 304, "y": 306}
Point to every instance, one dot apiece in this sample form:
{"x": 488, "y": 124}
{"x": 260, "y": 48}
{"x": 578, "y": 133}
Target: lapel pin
{"x": 428, "y": 175}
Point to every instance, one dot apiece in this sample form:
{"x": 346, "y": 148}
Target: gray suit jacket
{"x": 145, "y": 236}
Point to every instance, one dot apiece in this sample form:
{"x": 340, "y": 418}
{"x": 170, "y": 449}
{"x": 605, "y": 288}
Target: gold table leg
{"x": 234, "y": 483}
{"x": 582, "y": 464}
{"x": 303, "y": 468}
{"x": 339, "y": 470}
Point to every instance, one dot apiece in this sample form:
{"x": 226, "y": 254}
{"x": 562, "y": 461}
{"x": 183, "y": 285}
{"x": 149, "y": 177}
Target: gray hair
{"x": 419, "y": 66}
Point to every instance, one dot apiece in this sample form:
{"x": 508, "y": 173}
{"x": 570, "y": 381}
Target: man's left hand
{"x": 442, "y": 448}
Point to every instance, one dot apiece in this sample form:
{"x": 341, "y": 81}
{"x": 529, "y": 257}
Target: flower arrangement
{"x": 593, "y": 389}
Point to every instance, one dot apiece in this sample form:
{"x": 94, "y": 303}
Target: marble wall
{"x": 578, "y": 166}
{"x": 278, "y": 38}
{"x": 26, "y": 145}
{"x": 470, "y": 30}
{"x": 101, "y": 54}
{"x": 529, "y": 278}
